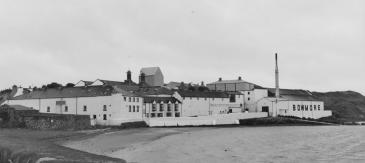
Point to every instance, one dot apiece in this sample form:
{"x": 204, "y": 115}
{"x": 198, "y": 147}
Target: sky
{"x": 320, "y": 43}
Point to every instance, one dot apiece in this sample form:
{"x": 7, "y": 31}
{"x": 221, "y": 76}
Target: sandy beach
{"x": 239, "y": 144}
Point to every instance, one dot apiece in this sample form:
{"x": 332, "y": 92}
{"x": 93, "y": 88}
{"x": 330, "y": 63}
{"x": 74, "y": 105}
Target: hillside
{"x": 348, "y": 105}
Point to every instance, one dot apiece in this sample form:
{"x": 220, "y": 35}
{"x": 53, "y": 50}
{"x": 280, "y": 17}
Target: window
{"x": 306, "y": 107}
{"x": 104, "y": 117}
{"x": 197, "y": 98}
{"x": 137, "y": 108}
{"x": 213, "y": 99}
{"x": 311, "y": 107}
{"x": 154, "y": 107}
{"x": 177, "y": 114}
{"x": 205, "y": 99}
{"x": 153, "y": 115}
{"x": 159, "y": 115}
{"x": 302, "y": 107}
{"x": 168, "y": 114}
{"x": 130, "y": 108}
{"x": 104, "y": 108}
{"x": 137, "y": 99}
{"x": 293, "y": 107}
{"x": 161, "y": 107}
{"x": 125, "y": 98}
{"x": 85, "y": 108}
{"x": 129, "y": 99}
{"x": 319, "y": 107}
{"x": 169, "y": 107}
{"x": 248, "y": 93}
{"x": 94, "y": 116}
{"x": 248, "y": 99}
{"x": 176, "y": 107}
{"x": 134, "y": 108}
{"x": 298, "y": 107}
{"x": 66, "y": 108}
{"x": 315, "y": 107}
{"x": 134, "y": 99}
{"x": 191, "y": 98}
{"x": 48, "y": 109}
{"x": 232, "y": 98}
{"x": 183, "y": 98}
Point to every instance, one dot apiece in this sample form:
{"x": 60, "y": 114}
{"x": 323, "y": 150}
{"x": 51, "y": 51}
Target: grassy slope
{"x": 38, "y": 144}
{"x": 349, "y": 105}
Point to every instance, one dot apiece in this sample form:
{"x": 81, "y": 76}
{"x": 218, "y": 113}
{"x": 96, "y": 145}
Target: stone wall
{"x": 57, "y": 121}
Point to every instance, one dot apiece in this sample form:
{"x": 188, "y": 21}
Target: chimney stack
{"x": 129, "y": 76}
{"x": 239, "y": 78}
{"x": 142, "y": 79}
{"x": 277, "y": 89}
{"x": 220, "y": 79}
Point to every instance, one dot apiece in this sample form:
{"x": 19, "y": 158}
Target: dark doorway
{"x": 104, "y": 117}
{"x": 265, "y": 109}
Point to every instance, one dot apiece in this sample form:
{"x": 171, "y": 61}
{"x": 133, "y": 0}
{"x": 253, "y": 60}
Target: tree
{"x": 54, "y": 85}
{"x": 70, "y": 85}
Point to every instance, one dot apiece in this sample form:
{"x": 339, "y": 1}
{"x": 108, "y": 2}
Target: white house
{"x": 106, "y": 105}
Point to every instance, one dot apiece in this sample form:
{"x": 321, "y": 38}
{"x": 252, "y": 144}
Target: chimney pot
{"x": 220, "y": 79}
{"x": 239, "y": 78}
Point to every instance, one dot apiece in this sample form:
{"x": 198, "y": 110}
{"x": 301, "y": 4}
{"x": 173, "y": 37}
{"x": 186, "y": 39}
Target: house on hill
{"x": 152, "y": 76}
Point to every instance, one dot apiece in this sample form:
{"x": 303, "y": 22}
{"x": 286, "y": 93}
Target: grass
{"x": 35, "y": 144}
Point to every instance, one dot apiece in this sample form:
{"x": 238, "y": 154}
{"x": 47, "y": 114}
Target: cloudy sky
{"x": 321, "y": 43}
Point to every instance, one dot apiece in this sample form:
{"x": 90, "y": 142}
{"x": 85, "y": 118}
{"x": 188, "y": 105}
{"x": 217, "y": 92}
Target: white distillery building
{"x": 106, "y": 105}
{"x": 298, "y": 103}
{"x": 196, "y": 103}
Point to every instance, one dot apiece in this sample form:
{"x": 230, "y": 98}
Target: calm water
{"x": 244, "y": 144}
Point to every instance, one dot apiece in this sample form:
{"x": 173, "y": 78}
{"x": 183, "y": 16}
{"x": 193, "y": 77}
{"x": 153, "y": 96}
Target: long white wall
{"x": 221, "y": 119}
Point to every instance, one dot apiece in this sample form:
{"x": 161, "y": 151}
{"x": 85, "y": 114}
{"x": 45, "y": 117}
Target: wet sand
{"x": 237, "y": 144}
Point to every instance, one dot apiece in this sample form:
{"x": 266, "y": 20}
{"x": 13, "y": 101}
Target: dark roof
{"x": 20, "y": 107}
{"x": 160, "y": 99}
{"x": 294, "y": 94}
{"x": 210, "y": 94}
{"x": 90, "y": 91}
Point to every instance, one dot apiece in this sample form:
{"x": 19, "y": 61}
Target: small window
{"x": 137, "y": 108}
{"x": 177, "y": 114}
{"x": 134, "y": 108}
{"x": 154, "y": 107}
{"x": 298, "y": 107}
{"x": 293, "y": 107}
{"x": 168, "y": 107}
{"x": 248, "y": 99}
{"x": 315, "y": 107}
{"x": 248, "y": 93}
{"x": 212, "y": 99}
{"x": 183, "y": 98}
{"x": 125, "y": 98}
{"x": 129, "y": 99}
{"x": 66, "y": 108}
{"x": 94, "y": 116}
{"x": 104, "y": 108}
{"x": 311, "y": 107}
{"x": 191, "y": 98}
{"x": 168, "y": 115}
{"x": 306, "y": 107}
{"x": 48, "y": 109}
{"x": 130, "y": 108}
{"x": 319, "y": 107}
{"x": 197, "y": 98}
{"x": 161, "y": 107}
{"x": 176, "y": 107}
{"x": 137, "y": 99}
{"x": 134, "y": 99}
{"x": 205, "y": 99}
{"x": 302, "y": 107}
{"x": 85, "y": 108}
{"x": 104, "y": 117}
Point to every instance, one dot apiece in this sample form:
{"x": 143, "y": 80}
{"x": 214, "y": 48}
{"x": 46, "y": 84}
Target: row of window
{"x": 131, "y": 99}
{"x": 84, "y": 108}
{"x": 133, "y": 108}
{"x": 153, "y": 115}
{"x": 306, "y": 107}
{"x": 162, "y": 107}
{"x": 199, "y": 98}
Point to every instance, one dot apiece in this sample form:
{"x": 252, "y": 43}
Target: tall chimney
{"x": 277, "y": 89}
{"x": 142, "y": 79}
{"x": 129, "y": 76}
